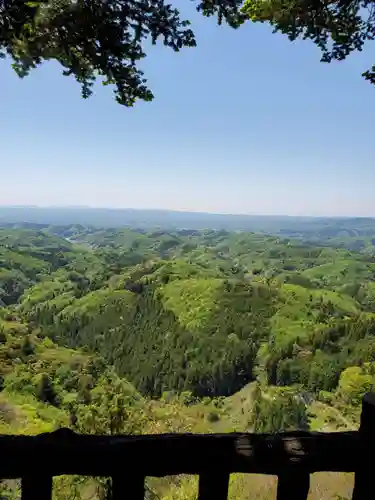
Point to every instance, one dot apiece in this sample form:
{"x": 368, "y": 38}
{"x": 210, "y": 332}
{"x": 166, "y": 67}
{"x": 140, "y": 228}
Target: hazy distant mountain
{"x": 139, "y": 218}
{"x": 168, "y": 219}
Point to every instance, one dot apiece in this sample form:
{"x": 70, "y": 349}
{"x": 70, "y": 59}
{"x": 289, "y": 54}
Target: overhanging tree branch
{"x": 99, "y": 38}
{"x": 105, "y": 38}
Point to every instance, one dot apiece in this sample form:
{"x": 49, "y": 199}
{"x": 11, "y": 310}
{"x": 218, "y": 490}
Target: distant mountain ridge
{"x": 169, "y": 219}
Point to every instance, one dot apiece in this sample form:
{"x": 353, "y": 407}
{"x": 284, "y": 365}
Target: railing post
{"x": 364, "y": 481}
{"x": 293, "y": 485}
{"x": 132, "y": 488}
{"x": 213, "y": 486}
{"x": 36, "y": 488}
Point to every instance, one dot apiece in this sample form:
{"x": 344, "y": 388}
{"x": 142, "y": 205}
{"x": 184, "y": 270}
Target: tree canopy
{"x": 99, "y": 38}
{"x": 337, "y": 27}
{"x": 105, "y": 38}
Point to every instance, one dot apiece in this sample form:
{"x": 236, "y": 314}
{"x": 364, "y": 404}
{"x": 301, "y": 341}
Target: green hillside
{"x": 183, "y": 331}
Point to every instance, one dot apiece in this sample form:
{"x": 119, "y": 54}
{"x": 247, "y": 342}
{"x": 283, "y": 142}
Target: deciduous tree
{"x": 337, "y": 27}
{"x": 99, "y": 38}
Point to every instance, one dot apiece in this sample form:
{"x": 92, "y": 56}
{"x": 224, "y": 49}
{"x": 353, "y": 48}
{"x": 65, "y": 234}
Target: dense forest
{"x": 134, "y": 330}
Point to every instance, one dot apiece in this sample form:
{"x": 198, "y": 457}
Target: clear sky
{"x": 247, "y": 122}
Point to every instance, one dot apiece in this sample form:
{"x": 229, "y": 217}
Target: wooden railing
{"x": 291, "y": 456}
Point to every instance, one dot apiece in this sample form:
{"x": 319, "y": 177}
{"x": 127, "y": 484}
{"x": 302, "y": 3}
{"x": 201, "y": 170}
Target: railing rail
{"x": 291, "y": 456}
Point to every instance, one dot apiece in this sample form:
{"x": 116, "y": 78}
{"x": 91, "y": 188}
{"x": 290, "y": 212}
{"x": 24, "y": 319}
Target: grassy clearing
{"x": 192, "y": 301}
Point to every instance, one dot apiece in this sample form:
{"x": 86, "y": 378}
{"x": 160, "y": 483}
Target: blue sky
{"x": 247, "y": 122}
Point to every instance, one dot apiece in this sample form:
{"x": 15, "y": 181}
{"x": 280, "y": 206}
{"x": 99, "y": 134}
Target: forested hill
{"x": 357, "y": 232}
{"x": 205, "y": 311}
{"x": 181, "y": 330}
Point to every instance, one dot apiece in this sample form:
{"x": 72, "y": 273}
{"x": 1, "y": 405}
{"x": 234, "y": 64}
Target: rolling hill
{"x": 180, "y": 330}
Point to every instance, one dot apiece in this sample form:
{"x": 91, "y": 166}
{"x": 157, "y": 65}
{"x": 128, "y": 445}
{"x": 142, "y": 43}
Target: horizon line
{"x": 181, "y": 211}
